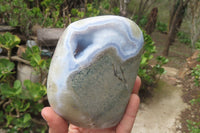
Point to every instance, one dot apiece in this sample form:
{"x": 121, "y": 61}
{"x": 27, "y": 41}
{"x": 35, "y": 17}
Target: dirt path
{"x": 159, "y": 113}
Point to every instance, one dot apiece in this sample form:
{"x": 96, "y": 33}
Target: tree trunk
{"x": 172, "y": 13}
{"x": 175, "y": 25}
{"x": 151, "y": 24}
{"x": 194, "y": 10}
{"x": 140, "y": 12}
{"x": 123, "y": 7}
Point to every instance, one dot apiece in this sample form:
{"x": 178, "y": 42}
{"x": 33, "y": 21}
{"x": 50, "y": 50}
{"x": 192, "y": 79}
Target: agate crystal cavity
{"x": 93, "y": 70}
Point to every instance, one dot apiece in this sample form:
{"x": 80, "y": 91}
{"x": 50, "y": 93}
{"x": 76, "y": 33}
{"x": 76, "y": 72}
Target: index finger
{"x": 137, "y": 85}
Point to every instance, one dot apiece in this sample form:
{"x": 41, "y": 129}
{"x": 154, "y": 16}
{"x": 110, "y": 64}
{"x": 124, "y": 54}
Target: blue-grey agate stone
{"x": 93, "y": 70}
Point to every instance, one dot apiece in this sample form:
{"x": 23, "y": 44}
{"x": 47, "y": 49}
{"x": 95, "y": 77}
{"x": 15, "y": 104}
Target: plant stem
{"x": 41, "y": 73}
{"x": 9, "y": 53}
{"x": 16, "y": 58}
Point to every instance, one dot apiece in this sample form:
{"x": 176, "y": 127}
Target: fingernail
{"x": 43, "y": 114}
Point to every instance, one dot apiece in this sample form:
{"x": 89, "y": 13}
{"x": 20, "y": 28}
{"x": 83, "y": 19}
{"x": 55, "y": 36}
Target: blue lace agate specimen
{"x": 93, "y": 70}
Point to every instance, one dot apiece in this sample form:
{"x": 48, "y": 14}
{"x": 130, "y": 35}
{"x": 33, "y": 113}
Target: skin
{"x": 58, "y": 125}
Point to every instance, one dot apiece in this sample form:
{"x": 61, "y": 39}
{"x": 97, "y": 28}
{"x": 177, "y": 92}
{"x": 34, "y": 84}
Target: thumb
{"x": 56, "y": 123}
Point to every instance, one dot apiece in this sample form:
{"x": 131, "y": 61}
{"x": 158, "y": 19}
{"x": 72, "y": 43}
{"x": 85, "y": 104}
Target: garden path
{"x": 160, "y": 113}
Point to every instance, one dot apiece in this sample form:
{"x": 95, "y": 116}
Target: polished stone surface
{"x": 93, "y": 70}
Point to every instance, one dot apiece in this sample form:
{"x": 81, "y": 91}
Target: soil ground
{"x": 190, "y": 92}
{"x": 168, "y": 108}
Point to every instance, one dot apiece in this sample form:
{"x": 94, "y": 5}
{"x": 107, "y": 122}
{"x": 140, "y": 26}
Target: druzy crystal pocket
{"x": 93, "y": 70}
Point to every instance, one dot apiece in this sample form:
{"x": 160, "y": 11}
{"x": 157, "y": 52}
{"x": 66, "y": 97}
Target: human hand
{"x": 58, "y": 125}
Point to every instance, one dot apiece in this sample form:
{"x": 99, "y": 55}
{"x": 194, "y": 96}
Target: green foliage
{"x": 50, "y": 13}
{"x": 91, "y": 11}
{"x": 8, "y": 41}
{"x": 143, "y": 21}
{"x": 195, "y": 101}
{"x": 10, "y": 92}
{"x": 162, "y": 27}
{"x": 106, "y": 4}
{"x": 17, "y": 13}
{"x": 116, "y": 10}
{"x": 194, "y": 127}
{"x": 196, "y": 75}
{"x": 40, "y": 65}
{"x": 52, "y": 10}
{"x": 197, "y": 45}
{"x": 20, "y": 105}
{"x": 157, "y": 69}
{"x": 6, "y": 68}
{"x": 35, "y": 90}
{"x": 184, "y": 38}
{"x": 146, "y": 71}
{"x": 107, "y": 7}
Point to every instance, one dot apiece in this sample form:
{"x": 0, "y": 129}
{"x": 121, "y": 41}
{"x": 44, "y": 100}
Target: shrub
{"x": 162, "y": 27}
{"x": 49, "y": 13}
{"x": 197, "y": 45}
{"x": 184, "y": 38}
{"x": 143, "y": 21}
{"x": 196, "y": 75}
{"x": 8, "y": 42}
{"x": 20, "y": 107}
{"x": 150, "y": 74}
{"x": 193, "y": 126}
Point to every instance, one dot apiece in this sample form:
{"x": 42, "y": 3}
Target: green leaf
{"x": 35, "y": 90}
{"x": 11, "y": 92}
{"x": 9, "y": 119}
{"x": 6, "y": 90}
{"x": 1, "y": 117}
{"x": 17, "y": 87}
{"x": 27, "y": 118}
{"x": 6, "y": 68}
{"x": 17, "y": 84}
{"x": 8, "y": 40}
{"x": 81, "y": 14}
{"x": 35, "y": 60}
{"x": 143, "y": 61}
{"x": 74, "y": 12}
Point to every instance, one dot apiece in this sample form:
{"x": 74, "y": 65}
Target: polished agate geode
{"x": 93, "y": 70}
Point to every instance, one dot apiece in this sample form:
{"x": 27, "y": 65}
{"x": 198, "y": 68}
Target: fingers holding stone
{"x": 137, "y": 85}
{"x": 126, "y": 124}
{"x": 56, "y": 123}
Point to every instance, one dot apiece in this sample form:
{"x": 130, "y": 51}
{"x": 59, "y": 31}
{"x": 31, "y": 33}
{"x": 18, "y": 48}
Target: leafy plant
{"x": 197, "y": 45}
{"x": 91, "y": 11}
{"x": 184, "y": 38}
{"x": 162, "y": 27}
{"x": 9, "y": 41}
{"x": 196, "y": 75}
{"x": 193, "y": 126}
{"x": 143, "y": 21}
{"x": 21, "y": 106}
{"x": 157, "y": 69}
{"x": 195, "y": 101}
{"x": 41, "y": 66}
{"x": 6, "y": 68}
{"x": 116, "y": 10}
{"x": 148, "y": 73}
